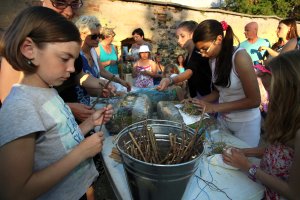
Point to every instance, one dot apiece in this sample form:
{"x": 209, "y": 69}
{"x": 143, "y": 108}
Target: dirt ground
{"x": 102, "y": 187}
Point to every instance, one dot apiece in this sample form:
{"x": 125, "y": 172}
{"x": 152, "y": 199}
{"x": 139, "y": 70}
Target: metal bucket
{"x": 156, "y": 181}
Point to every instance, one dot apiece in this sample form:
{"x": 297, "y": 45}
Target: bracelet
{"x": 252, "y": 172}
{"x": 171, "y": 81}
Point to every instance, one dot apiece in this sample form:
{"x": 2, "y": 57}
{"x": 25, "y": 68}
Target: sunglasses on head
{"x": 60, "y": 4}
{"x": 95, "y": 36}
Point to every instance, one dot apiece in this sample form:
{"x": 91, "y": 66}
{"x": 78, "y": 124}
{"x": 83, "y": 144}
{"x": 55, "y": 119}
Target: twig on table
{"x": 106, "y": 85}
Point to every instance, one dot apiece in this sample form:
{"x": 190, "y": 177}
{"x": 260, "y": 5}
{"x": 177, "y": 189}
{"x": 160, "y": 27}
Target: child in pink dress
{"x": 144, "y": 70}
{"x": 280, "y": 164}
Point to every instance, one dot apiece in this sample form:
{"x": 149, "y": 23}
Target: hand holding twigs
{"x": 102, "y": 116}
{"x": 105, "y": 87}
{"x": 90, "y": 146}
{"x": 209, "y": 107}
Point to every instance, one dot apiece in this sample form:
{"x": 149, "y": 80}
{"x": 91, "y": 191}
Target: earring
{"x": 29, "y": 62}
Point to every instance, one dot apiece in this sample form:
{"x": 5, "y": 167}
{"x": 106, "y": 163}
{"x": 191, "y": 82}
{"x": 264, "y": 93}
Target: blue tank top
{"x": 104, "y": 56}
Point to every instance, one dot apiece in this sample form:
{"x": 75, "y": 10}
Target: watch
{"x": 252, "y": 172}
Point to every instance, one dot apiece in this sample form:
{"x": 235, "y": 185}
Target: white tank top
{"x": 233, "y": 93}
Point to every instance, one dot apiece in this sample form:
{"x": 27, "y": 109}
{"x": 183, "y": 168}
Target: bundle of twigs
{"x": 144, "y": 146}
{"x": 190, "y": 108}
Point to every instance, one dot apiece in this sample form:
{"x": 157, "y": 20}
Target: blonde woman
{"x": 108, "y": 53}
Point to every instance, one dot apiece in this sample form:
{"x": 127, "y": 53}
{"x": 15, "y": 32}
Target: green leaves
{"x": 281, "y": 8}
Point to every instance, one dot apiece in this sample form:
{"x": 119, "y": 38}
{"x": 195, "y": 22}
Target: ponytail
{"x": 209, "y": 30}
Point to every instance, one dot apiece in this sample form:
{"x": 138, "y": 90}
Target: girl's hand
{"x": 209, "y": 107}
{"x": 102, "y": 116}
{"x": 144, "y": 72}
{"x": 236, "y": 158}
{"x": 91, "y": 145}
{"x": 188, "y": 100}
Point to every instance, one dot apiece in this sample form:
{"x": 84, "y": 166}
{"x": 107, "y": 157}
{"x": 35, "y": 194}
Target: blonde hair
{"x": 87, "y": 23}
{"x": 106, "y": 32}
{"x": 283, "y": 119}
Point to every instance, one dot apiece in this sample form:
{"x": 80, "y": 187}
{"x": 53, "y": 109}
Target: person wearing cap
{"x": 144, "y": 70}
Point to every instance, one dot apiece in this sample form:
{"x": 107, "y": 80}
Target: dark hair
{"x": 178, "y": 57}
{"x": 209, "y": 30}
{"x": 42, "y": 25}
{"x": 293, "y": 33}
{"x": 189, "y": 25}
{"x": 138, "y": 31}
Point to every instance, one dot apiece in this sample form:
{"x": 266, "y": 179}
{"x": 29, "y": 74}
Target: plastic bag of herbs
{"x": 132, "y": 108}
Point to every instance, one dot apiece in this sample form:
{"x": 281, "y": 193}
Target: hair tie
{"x": 224, "y": 25}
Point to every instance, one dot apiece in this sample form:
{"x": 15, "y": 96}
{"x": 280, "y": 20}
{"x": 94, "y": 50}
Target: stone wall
{"x": 157, "y": 19}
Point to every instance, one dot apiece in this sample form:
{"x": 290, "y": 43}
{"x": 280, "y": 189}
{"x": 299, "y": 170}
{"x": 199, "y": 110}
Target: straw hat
{"x": 144, "y": 48}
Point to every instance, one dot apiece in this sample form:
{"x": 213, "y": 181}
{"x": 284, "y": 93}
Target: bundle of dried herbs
{"x": 190, "y": 109}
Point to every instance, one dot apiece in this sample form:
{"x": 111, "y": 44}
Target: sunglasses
{"x": 95, "y": 36}
{"x": 63, "y": 4}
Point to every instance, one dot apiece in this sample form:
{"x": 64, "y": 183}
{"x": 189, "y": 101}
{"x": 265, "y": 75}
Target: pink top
{"x": 277, "y": 161}
{"x": 143, "y": 81}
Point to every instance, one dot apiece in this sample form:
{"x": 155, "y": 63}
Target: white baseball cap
{"x": 144, "y": 48}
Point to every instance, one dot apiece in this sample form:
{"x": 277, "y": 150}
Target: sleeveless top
{"x": 233, "y": 93}
{"x": 298, "y": 43}
{"x": 143, "y": 81}
{"x": 104, "y": 56}
{"x": 277, "y": 161}
{"x": 180, "y": 69}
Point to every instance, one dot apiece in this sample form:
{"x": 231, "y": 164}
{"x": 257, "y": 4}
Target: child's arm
{"x": 253, "y": 152}
{"x": 290, "y": 190}
{"x": 101, "y": 116}
{"x": 18, "y": 181}
{"x": 294, "y": 177}
{"x": 165, "y": 82}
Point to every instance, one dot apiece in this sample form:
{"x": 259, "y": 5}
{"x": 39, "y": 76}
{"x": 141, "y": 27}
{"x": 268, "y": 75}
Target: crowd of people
{"x": 51, "y": 67}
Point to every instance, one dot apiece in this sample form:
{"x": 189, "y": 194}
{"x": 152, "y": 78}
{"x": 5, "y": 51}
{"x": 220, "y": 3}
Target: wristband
{"x": 252, "y": 172}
